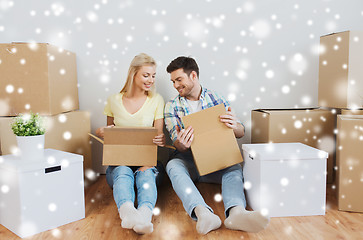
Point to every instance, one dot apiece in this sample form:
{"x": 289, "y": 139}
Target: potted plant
{"x": 29, "y": 130}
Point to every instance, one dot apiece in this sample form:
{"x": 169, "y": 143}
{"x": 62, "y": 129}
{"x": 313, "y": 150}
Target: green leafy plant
{"x": 28, "y": 125}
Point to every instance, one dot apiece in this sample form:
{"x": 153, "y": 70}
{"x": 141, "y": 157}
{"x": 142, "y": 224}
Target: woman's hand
{"x": 100, "y": 132}
{"x": 159, "y": 140}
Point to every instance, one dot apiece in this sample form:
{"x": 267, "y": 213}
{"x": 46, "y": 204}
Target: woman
{"x": 137, "y": 105}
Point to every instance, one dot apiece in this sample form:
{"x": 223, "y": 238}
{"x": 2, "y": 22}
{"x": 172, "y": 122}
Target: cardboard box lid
{"x": 350, "y": 117}
{"x": 52, "y": 158}
{"x": 283, "y": 151}
{"x": 287, "y": 110}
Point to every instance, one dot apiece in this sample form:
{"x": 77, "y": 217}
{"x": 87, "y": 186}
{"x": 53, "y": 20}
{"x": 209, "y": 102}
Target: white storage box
{"x": 285, "y": 179}
{"x": 36, "y": 196}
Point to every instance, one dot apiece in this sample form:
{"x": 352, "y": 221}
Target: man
{"x": 181, "y": 169}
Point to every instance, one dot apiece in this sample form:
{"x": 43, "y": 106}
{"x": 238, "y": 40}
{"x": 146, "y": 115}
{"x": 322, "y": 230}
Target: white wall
{"x": 259, "y": 54}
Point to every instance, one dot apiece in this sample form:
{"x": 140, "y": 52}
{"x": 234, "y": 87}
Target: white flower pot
{"x": 31, "y": 147}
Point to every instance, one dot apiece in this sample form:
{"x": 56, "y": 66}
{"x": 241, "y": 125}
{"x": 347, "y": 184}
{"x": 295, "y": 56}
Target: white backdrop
{"x": 258, "y": 54}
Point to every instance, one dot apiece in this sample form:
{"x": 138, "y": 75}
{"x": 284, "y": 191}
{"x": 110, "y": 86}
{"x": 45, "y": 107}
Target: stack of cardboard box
{"x": 340, "y": 92}
{"x": 42, "y": 78}
{"x": 341, "y": 87}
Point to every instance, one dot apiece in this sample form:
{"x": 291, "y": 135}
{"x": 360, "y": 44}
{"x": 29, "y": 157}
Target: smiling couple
{"x": 138, "y": 105}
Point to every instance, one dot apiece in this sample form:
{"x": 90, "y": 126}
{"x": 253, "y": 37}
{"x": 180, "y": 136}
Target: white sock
{"x": 129, "y": 215}
{"x": 206, "y": 220}
{"x": 248, "y": 221}
{"x": 145, "y": 226}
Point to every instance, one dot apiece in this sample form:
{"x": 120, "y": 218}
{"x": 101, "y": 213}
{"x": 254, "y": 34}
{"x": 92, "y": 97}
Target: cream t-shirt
{"x": 151, "y": 110}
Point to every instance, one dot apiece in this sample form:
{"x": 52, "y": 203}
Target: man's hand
{"x": 159, "y": 140}
{"x": 230, "y": 120}
{"x": 184, "y": 139}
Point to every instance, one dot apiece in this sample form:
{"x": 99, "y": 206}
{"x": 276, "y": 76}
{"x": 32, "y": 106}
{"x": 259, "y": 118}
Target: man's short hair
{"x": 188, "y": 65}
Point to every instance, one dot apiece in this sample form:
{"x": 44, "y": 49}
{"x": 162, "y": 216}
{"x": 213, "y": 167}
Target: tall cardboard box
{"x": 350, "y": 163}
{"x": 341, "y": 70}
{"x": 285, "y": 179}
{"x": 313, "y": 127}
{"x": 38, "y": 77}
{"x": 66, "y": 132}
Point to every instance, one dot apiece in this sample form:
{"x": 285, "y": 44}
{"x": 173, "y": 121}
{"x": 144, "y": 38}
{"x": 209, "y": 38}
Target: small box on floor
{"x": 285, "y": 179}
{"x": 40, "y": 195}
{"x": 350, "y": 163}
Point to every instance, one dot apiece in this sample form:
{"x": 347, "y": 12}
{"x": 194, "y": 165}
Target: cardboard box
{"x": 129, "y": 146}
{"x": 285, "y": 179}
{"x": 341, "y": 70}
{"x": 350, "y": 163}
{"x": 37, "y": 77}
{"x": 41, "y": 195}
{"x": 352, "y": 111}
{"x": 66, "y": 132}
{"x": 214, "y": 146}
{"x": 313, "y": 127}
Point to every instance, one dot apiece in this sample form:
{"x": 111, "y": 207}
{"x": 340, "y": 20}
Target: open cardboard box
{"x": 129, "y": 146}
{"x": 214, "y": 146}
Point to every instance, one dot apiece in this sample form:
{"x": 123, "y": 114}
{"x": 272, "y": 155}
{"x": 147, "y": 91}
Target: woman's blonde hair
{"x": 139, "y": 60}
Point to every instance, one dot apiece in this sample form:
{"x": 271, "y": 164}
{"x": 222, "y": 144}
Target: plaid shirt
{"x": 178, "y": 107}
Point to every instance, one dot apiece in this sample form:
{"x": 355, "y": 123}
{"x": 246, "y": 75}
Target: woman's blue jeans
{"x": 124, "y": 179}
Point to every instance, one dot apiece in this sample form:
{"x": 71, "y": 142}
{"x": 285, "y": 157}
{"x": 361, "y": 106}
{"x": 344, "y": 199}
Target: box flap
{"x": 97, "y": 138}
{"x": 283, "y": 151}
{"x": 130, "y": 135}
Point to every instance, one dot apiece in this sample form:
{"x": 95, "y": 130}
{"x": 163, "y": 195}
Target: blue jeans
{"x": 122, "y": 180}
{"x": 183, "y": 173}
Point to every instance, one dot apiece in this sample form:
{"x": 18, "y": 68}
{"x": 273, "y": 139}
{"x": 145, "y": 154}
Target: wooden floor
{"x": 102, "y": 220}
